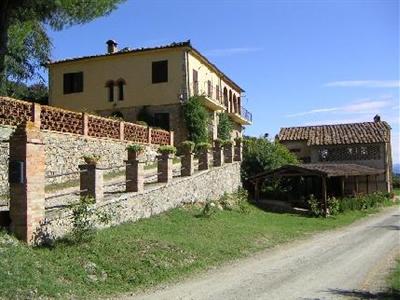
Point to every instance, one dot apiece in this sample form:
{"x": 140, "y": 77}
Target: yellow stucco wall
{"x": 134, "y": 68}
{"x": 206, "y": 73}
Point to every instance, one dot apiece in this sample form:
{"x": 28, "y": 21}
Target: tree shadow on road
{"x": 361, "y": 294}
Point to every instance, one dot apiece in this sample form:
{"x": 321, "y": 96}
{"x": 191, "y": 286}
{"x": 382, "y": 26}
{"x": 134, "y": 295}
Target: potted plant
{"x": 218, "y": 143}
{"x": 227, "y": 143}
{"x": 201, "y": 147}
{"x": 135, "y": 151}
{"x": 187, "y": 147}
{"x": 167, "y": 150}
{"x": 91, "y": 159}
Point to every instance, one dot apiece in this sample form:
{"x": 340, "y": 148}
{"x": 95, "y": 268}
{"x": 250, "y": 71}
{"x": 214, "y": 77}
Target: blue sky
{"x": 300, "y": 62}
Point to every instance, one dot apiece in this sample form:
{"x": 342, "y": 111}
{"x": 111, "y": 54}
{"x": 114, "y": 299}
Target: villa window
{"x": 120, "y": 84}
{"x": 209, "y": 88}
{"x": 160, "y": 71}
{"x": 195, "y": 83}
{"x": 217, "y": 92}
{"x": 110, "y": 90}
{"x": 73, "y": 83}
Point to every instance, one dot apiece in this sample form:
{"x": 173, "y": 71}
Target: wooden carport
{"x": 323, "y": 171}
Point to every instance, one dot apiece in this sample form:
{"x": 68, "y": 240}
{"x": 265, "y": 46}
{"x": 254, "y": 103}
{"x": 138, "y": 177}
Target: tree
{"x": 36, "y": 92}
{"x": 24, "y": 44}
{"x": 225, "y": 127}
{"x": 196, "y": 119}
{"x": 260, "y": 155}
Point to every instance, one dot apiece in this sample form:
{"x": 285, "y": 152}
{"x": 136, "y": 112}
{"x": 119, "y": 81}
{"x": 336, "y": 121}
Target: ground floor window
{"x": 162, "y": 120}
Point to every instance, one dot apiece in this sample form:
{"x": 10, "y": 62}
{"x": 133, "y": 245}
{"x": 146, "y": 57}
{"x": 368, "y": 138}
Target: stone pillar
{"x": 218, "y": 154}
{"x": 91, "y": 182}
{"x": 135, "y": 175}
{"x": 204, "y": 159}
{"x": 187, "y": 166}
{"x": 171, "y": 138}
{"x": 149, "y": 135}
{"x": 164, "y": 168}
{"x": 27, "y": 181}
{"x": 238, "y": 151}
{"x": 228, "y": 153}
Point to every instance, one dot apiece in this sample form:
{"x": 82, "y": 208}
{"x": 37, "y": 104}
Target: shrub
{"x": 364, "y": 202}
{"x": 315, "y": 206}
{"x": 260, "y": 155}
{"x": 91, "y": 159}
{"x": 187, "y": 146}
{"x": 142, "y": 123}
{"x": 196, "y": 120}
{"x": 333, "y": 206}
{"x": 239, "y": 139}
{"x": 84, "y": 219}
{"x": 135, "y": 148}
{"x": 210, "y": 209}
{"x": 167, "y": 149}
{"x": 145, "y": 116}
{"x": 225, "y": 126}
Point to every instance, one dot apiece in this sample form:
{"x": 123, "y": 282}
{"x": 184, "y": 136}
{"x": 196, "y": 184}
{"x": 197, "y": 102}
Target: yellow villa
{"x": 156, "y": 81}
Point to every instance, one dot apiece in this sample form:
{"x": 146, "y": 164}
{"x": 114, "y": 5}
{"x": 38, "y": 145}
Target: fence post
{"x": 218, "y": 154}
{"x": 135, "y": 175}
{"x": 228, "y": 153}
{"x": 85, "y": 124}
{"x": 238, "y": 151}
{"x": 91, "y": 182}
{"x": 164, "y": 167}
{"x": 204, "y": 159}
{"x": 171, "y": 138}
{"x": 121, "y": 130}
{"x": 27, "y": 181}
{"x": 36, "y": 109}
{"x": 187, "y": 168}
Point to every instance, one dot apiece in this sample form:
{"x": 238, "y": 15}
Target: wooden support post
{"x": 342, "y": 186}
{"x": 367, "y": 184}
{"x": 376, "y": 183}
{"x": 324, "y": 195}
{"x": 356, "y": 184}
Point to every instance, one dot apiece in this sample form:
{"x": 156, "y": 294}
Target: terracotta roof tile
{"x": 355, "y": 133}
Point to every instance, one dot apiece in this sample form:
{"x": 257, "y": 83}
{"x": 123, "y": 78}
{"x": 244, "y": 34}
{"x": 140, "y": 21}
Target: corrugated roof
{"x": 354, "y": 133}
{"x": 124, "y": 51}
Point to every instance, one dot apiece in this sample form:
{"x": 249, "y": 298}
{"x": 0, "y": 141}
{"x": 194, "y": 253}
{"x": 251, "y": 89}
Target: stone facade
{"x": 203, "y": 186}
{"x": 64, "y": 153}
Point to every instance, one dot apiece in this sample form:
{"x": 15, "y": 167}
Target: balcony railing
{"x": 246, "y": 114}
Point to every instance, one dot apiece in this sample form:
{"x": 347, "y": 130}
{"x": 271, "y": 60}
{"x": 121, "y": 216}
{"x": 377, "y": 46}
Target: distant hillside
{"x": 396, "y": 168}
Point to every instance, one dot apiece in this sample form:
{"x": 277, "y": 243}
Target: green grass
{"x": 137, "y": 255}
{"x": 394, "y": 279}
{"x": 396, "y": 191}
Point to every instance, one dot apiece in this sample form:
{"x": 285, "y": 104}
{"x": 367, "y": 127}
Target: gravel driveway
{"x": 342, "y": 264}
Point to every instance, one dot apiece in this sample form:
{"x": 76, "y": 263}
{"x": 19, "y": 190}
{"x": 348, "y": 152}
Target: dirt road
{"x": 349, "y": 262}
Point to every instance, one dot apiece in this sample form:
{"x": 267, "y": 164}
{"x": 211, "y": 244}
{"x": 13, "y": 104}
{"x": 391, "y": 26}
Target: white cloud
{"x": 231, "y": 51}
{"x": 364, "y": 106}
{"x": 365, "y": 83}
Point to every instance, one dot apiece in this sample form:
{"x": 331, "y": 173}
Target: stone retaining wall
{"x": 64, "y": 153}
{"x": 203, "y": 186}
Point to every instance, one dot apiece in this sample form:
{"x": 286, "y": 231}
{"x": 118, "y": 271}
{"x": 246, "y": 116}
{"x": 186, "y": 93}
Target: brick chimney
{"x": 377, "y": 118}
{"x": 111, "y": 46}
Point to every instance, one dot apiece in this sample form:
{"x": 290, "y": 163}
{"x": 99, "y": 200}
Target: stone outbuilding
{"x": 365, "y": 144}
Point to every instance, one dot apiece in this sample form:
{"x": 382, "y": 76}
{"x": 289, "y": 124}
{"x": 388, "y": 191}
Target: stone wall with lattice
{"x": 350, "y": 153}
{"x": 14, "y": 112}
{"x": 160, "y": 137}
{"x": 56, "y": 119}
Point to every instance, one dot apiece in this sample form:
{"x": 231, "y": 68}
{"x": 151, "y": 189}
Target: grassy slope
{"x": 148, "y": 252}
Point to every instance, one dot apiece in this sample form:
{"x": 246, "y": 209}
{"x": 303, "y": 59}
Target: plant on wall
{"x": 145, "y": 117}
{"x": 196, "y": 119}
{"x": 225, "y": 127}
